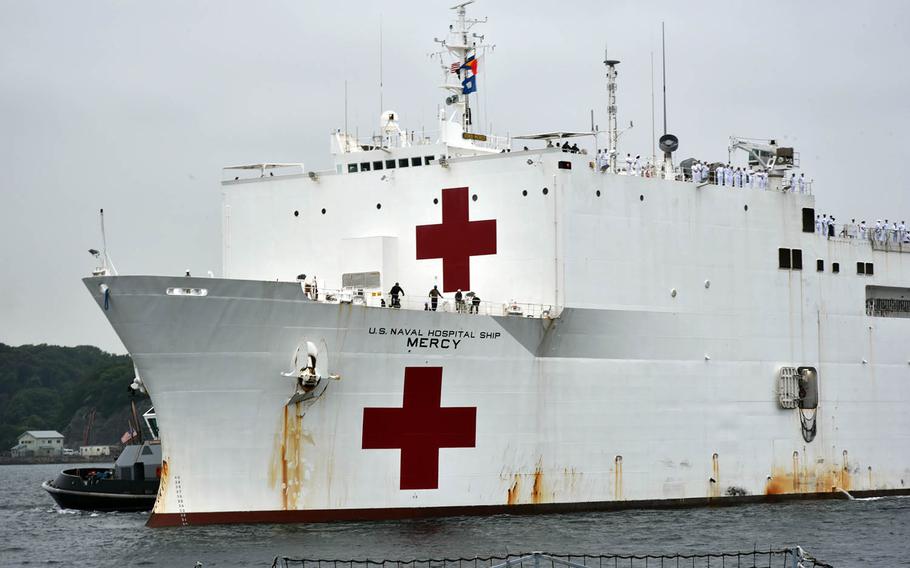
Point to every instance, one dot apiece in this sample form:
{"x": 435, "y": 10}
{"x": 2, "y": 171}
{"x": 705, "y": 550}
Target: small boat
{"x": 130, "y": 485}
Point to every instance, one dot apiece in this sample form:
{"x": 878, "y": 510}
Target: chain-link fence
{"x": 781, "y": 558}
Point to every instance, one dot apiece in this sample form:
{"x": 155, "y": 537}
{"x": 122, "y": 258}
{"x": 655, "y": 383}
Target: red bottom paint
{"x": 330, "y": 515}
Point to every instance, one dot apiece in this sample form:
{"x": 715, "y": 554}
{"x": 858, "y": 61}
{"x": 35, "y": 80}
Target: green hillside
{"x": 45, "y": 387}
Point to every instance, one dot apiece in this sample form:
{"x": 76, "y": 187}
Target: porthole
{"x": 641, "y": 197}
{"x": 745, "y": 207}
{"x": 524, "y": 192}
{"x": 597, "y": 193}
{"x": 296, "y": 213}
{"x": 474, "y": 197}
{"x": 379, "y": 206}
{"x": 546, "y": 191}
{"x": 435, "y": 201}
{"x": 323, "y": 210}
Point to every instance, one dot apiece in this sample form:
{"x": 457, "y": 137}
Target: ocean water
{"x": 35, "y": 532}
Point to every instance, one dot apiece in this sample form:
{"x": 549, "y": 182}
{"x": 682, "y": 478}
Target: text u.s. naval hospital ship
{"x": 629, "y": 339}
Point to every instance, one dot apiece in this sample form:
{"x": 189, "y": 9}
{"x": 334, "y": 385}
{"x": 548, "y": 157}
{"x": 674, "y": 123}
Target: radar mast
{"x": 463, "y": 45}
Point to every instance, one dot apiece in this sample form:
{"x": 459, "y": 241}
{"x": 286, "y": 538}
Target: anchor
{"x": 309, "y": 384}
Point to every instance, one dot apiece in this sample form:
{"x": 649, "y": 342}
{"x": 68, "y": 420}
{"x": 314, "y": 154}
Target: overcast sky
{"x": 135, "y": 106}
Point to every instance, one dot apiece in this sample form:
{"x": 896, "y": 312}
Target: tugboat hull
{"x": 77, "y": 489}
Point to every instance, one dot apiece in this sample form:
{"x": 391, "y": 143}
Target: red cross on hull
{"x": 420, "y": 428}
{"x": 456, "y": 240}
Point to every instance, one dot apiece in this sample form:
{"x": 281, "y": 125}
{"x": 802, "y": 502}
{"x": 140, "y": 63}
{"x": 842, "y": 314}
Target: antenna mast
{"x": 461, "y": 44}
{"x": 347, "y": 143}
{"x": 663, "y": 48}
{"x": 668, "y": 143}
{"x": 653, "y": 138}
{"x": 611, "y": 108}
{"x": 381, "y": 105}
{"x": 462, "y": 31}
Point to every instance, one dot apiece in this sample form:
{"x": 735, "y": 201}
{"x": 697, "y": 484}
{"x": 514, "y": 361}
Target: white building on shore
{"x": 38, "y": 443}
{"x": 93, "y": 451}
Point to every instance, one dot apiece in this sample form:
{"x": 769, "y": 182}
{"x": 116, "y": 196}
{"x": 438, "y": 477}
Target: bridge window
{"x": 402, "y": 162}
{"x": 887, "y": 302}
{"x": 416, "y": 161}
{"x": 428, "y": 160}
{"x": 365, "y": 166}
{"x": 352, "y": 168}
{"x": 377, "y": 165}
{"x": 390, "y": 164}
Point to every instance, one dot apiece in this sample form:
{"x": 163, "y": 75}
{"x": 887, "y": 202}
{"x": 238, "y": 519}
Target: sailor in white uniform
{"x": 728, "y": 176}
{"x": 878, "y": 230}
{"x": 628, "y": 164}
{"x": 719, "y": 174}
{"x": 818, "y": 224}
{"x": 901, "y": 232}
{"x": 802, "y": 183}
{"x": 750, "y": 178}
{"x": 792, "y": 182}
{"x": 636, "y": 166}
{"x": 862, "y": 230}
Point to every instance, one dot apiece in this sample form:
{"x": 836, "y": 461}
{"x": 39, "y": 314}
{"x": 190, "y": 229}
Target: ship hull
{"x": 593, "y": 409}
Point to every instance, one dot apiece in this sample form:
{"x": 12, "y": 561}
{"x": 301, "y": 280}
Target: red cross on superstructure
{"x": 420, "y": 428}
{"x": 456, "y": 240}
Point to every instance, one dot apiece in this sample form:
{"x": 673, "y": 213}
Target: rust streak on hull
{"x": 617, "y": 478}
{"x": 537, "y": 488}
{"x": 286, "y": 464}
{"x": 514, "y": 490}
{"x": 163, "y": 482}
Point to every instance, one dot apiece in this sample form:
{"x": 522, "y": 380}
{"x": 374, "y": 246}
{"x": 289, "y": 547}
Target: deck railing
{"x": 880, "y": 239}
{"x": 468, "y": 305}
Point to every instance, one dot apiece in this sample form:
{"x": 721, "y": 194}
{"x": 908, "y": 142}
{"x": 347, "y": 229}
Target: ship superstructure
{"x": 600, "y": 339}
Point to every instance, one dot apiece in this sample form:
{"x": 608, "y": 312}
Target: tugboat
{"x": 130, "y": 485}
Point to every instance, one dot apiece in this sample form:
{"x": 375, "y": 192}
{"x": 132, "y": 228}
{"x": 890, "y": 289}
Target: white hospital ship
{"x": 603, "y": 365}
